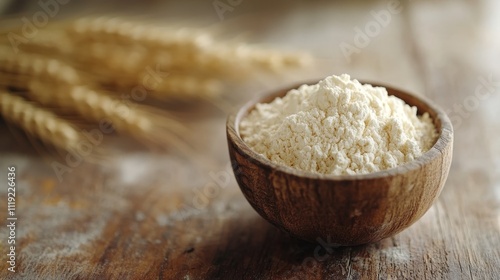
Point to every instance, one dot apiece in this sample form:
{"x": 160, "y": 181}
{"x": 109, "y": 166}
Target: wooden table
{"x": 144, "y": 215}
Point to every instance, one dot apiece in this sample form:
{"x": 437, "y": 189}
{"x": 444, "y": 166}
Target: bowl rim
{"x": 445, "y": 137}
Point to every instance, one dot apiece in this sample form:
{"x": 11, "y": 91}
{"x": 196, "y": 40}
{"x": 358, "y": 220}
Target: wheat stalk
{"x": 89, "y": 104}
{"x": 107, "y": 67}
{"x": 121, "y": 31}
{"x": 119, "y": 55}
{"x": 184, "y": 48}
{"x": 173, "y": 87}
{"x": 38, "y": 122}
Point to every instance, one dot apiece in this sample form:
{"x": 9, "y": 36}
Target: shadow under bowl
{"x": 349, "y": 209}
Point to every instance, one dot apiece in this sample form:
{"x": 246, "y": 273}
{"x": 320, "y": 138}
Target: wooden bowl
{"x": 345, "y": 210}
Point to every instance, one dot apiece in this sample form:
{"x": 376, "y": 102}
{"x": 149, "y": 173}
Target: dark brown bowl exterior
{"x": 343, "y": 210}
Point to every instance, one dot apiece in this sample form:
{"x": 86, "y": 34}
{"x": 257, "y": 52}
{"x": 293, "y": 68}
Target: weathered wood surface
{"x": 166, "y": 216}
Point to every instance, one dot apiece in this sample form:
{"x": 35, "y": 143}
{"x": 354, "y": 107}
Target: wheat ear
{"x": 89, "y": 104}
{"x": 97, "y": 106}
{"x": 120, "y": 31}
{"x": 38, "y": 122}
{"x": 191, "y": 47}
{"x": 144, "y": 124}
{"x": 27, "y": 66}
{"x": 186, "y": 87}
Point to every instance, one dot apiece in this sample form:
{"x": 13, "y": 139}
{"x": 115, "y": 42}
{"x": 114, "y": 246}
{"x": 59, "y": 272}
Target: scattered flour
{"x": 163, "y": 220}
{"x": 397, "y": 255}
{"x": 339, "y": 127}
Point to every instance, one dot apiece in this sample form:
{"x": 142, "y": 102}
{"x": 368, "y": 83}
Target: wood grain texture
{"x": 347, "y": 210}
{"x": 146, "y": 215}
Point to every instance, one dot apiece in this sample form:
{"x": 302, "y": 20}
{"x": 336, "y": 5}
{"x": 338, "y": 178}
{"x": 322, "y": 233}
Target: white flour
{"x": 338, "y": 126}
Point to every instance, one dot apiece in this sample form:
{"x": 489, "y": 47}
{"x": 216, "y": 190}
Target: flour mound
{"x": 338, "y": 127}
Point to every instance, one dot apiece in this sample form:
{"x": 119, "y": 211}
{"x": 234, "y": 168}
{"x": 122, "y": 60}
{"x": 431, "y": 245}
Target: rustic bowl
{"x": 343, "y": 210}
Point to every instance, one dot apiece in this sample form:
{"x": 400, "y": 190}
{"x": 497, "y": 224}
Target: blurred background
{"x": 321, "y": 27}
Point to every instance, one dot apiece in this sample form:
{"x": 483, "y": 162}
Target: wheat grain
{"x": 118, "y": 55}
{"x": 112, "y": 62}
{"x": 38, "y": 122}
{"x": 119, "y": 64}
{"x": 269, "y": 59}
{"x": 116, "y": 60}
